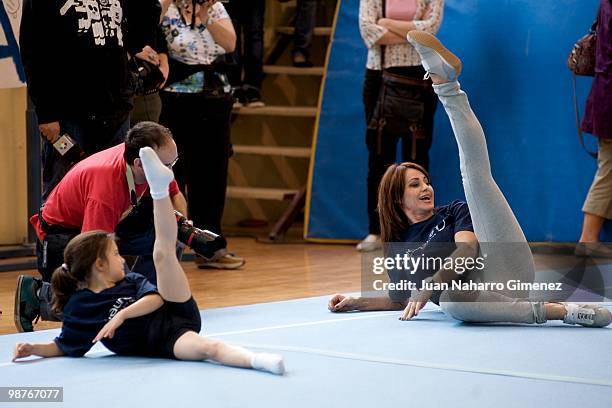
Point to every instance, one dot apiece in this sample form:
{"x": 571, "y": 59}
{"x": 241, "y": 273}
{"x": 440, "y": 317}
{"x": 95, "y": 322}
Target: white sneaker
{"x": 587, "y": 315}
{"x": 370, "y": 243}
{"x": 436, "y": 59}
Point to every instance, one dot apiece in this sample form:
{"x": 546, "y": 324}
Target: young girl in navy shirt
{"x": 127, "y": 313}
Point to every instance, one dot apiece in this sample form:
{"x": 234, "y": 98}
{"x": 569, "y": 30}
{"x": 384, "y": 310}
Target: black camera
{"x": 203, "y": 242}
{"x": 146, "y": 77}
{"x": 140, "y": 221}
{"x": 70, "y": 153}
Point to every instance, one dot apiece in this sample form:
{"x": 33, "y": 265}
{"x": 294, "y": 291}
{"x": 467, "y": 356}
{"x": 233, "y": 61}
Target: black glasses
{"x": 171, "y": 165}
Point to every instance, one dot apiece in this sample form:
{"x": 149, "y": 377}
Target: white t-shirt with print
{"x": 192, "y": 46}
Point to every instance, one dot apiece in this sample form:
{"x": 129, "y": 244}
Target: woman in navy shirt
{"x": 407, "y": 214}
{"x": 127, "y": 313}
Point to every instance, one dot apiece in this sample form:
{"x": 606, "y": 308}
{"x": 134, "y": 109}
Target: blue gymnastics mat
{"x": 351, "y": 359}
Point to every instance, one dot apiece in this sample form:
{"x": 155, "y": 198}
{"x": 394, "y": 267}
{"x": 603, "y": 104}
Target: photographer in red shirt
{"x": 106, "y": 191}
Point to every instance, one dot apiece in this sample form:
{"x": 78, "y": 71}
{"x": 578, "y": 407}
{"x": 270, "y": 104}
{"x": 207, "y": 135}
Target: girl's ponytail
{"x": 64, "y": 285}
{"x": 80, "y": 256}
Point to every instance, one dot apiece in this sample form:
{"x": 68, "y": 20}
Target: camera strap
{"x": 129, "y": 176}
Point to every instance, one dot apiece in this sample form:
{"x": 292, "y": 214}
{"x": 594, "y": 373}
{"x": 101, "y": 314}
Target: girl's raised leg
{"x": 171, "y": 280}
{"x": 173, "y": 285}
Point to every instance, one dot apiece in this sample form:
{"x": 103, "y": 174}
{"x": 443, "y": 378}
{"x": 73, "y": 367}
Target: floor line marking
{"x": 260, "y": 329}
{"x": 436, "y": 366}
{"x": 302, "y": 324}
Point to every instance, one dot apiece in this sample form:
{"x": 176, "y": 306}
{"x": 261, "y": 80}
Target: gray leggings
{"x": 495, "y": 226}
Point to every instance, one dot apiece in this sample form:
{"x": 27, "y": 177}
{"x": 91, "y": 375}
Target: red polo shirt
{"x": 93, "y": 195}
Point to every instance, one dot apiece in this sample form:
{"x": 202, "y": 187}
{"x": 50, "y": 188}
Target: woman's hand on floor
{"x": 109, "y": 328}
{"x": 415, "y": 304}
{"x": 340, "y": 303}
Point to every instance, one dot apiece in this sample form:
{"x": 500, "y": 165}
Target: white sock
{"x": 158, "y": 176}
{"x": 268, "y": 362}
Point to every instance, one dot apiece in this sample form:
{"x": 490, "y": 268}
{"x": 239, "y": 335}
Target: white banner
{"x": 11, "y": 70}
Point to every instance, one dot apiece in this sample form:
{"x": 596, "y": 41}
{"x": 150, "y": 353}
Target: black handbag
{"x": 400, "y": 107}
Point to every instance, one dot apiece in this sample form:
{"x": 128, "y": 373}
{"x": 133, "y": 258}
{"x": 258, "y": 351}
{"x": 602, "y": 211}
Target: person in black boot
{"x": 197, "y": 107}
{"x": 248, "y": 20}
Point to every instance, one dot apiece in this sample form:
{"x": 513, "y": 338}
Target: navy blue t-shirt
{"x": 429, "y": 238}
{"x": 87, "y": 312}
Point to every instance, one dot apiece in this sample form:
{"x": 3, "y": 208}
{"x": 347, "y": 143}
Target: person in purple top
{"x": 598, "y": 204}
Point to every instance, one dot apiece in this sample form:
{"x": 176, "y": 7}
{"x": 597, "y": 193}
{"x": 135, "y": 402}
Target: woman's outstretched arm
{"x": 341, "y": 303}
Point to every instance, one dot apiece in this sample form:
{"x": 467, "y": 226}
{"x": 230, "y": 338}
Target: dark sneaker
{"x": 593, "y": 250}
{"x": 27, "y": 305}
{"x": 239, "y": 98}
{"x": 253, "y": 97}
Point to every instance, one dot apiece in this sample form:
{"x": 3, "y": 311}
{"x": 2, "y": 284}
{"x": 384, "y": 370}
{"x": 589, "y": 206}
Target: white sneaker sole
{"x": 427, "y": 40}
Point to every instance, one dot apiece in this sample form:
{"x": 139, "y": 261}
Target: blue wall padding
{"x": 514, "y": 54}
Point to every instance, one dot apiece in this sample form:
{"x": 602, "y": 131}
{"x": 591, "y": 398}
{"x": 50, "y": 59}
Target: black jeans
{"x": 380, "y": 159}
{"x": 304, "y": 26}
{"x": 248, "y": 19}
{"x": 200, "y": 123}
{"x": 92, "y": 135}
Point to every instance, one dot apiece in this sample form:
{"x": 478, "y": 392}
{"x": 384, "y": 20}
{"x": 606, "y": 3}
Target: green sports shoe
{"x": 27, "y": 305}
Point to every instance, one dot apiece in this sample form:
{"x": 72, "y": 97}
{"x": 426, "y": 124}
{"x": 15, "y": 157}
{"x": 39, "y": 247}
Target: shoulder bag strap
{"x": 578, "y": 127}
{"x": 378, "y": 121}
{"x": 580, "y": 135}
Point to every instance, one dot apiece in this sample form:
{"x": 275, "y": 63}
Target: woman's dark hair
{"x": 144, "y": 134}
{"x": 79, "y": 256}
{"x": 393, "y": 220}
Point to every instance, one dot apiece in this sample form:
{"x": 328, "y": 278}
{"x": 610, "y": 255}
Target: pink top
{"x": 427, "y": 17}
{"x": 403, "y": 10}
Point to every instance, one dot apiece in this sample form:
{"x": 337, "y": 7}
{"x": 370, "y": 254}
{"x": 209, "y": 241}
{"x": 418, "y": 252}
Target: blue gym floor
{"x": 341, "y": 360}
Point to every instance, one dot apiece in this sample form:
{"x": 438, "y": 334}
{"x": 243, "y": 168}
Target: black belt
{"x": 55, "y": 229}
